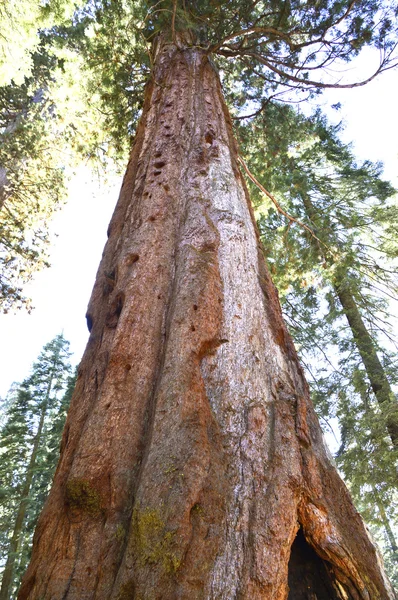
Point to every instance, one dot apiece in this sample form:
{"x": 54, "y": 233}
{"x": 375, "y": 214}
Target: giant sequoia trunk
{"x": 192, "y": 463}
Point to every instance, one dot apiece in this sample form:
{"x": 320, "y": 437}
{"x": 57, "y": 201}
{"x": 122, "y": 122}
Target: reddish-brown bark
{"x": 192, "y": 454}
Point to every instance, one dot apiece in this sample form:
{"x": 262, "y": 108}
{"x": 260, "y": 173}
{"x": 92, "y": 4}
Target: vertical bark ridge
{"x": 192, "y": 453}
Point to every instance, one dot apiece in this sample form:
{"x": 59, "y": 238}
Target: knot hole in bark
{"x": 209, "y": 138}
{"x": 131, "y": 259}
{"x": 158, "y": 166}
{"x": 115, "y": 310}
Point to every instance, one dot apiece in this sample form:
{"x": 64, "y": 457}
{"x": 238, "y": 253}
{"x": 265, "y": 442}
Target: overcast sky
{"x": 60, "y": 294}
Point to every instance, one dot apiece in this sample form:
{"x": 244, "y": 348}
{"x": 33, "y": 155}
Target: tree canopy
{"x": 46, "y": 128}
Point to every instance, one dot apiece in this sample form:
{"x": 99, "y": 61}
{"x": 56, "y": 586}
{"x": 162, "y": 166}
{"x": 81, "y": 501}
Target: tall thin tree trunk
{"x": 8, "y": 573}
{"x": 191, "y": 454}
{"x": 363, "y": 341}
{"x": 386, "y": 523}
{"x": 374, "y": 369}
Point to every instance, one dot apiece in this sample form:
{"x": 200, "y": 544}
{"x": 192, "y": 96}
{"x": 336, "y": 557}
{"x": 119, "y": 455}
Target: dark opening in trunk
{"x": 310, "y": 577}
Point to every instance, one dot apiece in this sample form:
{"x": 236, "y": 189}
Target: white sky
{"x": 60, "y": 294}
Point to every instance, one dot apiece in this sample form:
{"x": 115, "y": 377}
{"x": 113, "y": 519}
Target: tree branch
{"x": 316, "y": 84}
{"x": 275, "y": 202}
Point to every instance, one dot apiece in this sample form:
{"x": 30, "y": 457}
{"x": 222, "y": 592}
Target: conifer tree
{"x": 20, "y": 25}
{"x": 47, "y": 118}
{"x": 31, "y": 181}
{"x": 29, "y": 442}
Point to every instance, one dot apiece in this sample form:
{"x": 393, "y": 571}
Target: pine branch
{"x": 276, "y": 203}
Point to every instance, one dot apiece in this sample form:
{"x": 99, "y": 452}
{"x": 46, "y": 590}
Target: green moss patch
{"x": 120, "y": 533}
{"x": 81, "y": 495}
{"x": 154, "y": 544}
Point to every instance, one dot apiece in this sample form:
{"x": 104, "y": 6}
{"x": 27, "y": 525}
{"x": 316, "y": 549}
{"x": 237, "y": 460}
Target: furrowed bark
{"x": 192, "y": 454}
